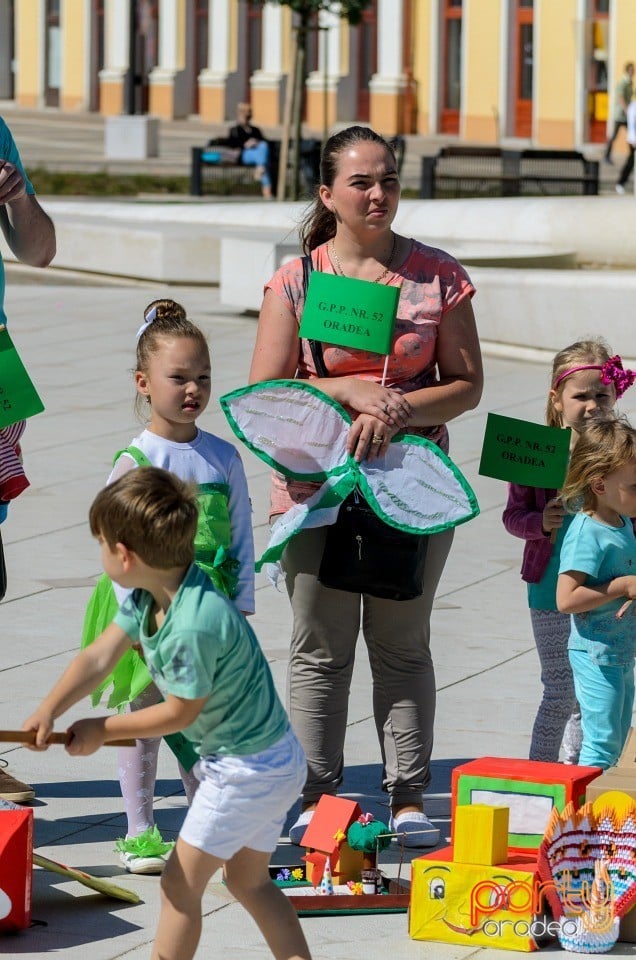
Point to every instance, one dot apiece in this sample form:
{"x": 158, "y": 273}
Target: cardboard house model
{"x": 326, "y": 837}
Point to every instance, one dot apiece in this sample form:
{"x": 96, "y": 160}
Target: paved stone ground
{"x": 78, "y": 342}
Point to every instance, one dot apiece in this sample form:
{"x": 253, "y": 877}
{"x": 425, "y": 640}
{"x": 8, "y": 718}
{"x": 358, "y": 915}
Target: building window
{"x": 367, "y": 57}
{"x": 451, "y": 66}
{"x": 201, "y": 33}
{"x": 596, "y": 79}
{"x": 522, "y": 67}
{"x": 254, "y": 37}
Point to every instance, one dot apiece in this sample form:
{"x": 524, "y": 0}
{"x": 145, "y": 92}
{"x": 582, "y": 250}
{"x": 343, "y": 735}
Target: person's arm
{"x": 523, "y": 519}
{"x": 575, "y": 595}
{"x": 28, "y": 230}
{"x": 241, "y": 534}
{"x": 78, "y": 680}
{"x": 170, "y": 716}
{"x": 461, "y": 378}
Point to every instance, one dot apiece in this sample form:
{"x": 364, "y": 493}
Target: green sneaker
{"x": 146, "y": 853}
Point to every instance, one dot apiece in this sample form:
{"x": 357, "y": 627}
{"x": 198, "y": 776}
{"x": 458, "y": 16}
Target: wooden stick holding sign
{"x": 28, "y": 736}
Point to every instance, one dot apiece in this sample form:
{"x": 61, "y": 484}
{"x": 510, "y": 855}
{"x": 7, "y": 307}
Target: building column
{"x": 267, "y": 84}
{"x": 323, "y": 83}
{"x": 29, "y": 53}
{"x": 114, "y": 77}
{"x": 76, "y": 54}
{"x": 168, "y": 93}
{"x": 387, "y": 86}
{"x": 213, "y": 81}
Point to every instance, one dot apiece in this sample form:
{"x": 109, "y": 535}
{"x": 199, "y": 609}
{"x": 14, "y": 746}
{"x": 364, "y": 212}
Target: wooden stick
{"x": 28, "y": 736}
{"x": 623, "y": 610}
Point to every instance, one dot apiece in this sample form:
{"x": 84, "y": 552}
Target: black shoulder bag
{"x": 362, "y": 553}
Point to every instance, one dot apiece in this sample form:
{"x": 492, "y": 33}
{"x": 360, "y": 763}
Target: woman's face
{"x": 366, "y": 189}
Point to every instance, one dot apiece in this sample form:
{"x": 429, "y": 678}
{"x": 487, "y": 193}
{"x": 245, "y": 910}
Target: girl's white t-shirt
{"x": 206, "y": 459}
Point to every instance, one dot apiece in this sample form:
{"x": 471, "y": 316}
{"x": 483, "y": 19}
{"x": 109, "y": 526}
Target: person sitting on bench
{"x": 253, "y": 146}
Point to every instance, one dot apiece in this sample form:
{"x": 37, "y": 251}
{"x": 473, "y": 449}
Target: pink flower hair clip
{"x": 612, "y": 372}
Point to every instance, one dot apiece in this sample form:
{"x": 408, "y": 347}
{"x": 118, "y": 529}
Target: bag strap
{"x": 138, "y": 456}
{"x": 314, "y": 345}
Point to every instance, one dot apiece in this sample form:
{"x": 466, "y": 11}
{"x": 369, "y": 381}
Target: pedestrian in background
{"x": 623, "y": 98}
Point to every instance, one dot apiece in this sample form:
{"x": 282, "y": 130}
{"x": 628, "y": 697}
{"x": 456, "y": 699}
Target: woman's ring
{"x": 378, "y": 440}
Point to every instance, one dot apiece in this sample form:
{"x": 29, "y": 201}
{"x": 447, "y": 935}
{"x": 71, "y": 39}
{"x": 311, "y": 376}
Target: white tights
{"x": 138, "y": 772}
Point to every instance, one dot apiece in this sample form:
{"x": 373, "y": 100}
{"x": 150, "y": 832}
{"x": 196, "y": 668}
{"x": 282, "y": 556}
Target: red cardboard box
{"x": 16, "y": 868}
{"x": 529, "y": 788}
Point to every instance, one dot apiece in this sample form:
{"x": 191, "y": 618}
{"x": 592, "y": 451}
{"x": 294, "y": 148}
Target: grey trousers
{"x": 326, "y": 624}
{"x": 558, "y": 719}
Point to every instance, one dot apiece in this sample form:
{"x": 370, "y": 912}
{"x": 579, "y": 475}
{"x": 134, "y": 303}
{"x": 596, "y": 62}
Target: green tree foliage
{"x": 350, "y": 10}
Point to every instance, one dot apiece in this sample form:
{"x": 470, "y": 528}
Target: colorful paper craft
{"x": 301, "y": 432}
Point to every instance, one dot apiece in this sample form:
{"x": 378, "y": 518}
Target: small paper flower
{"x": 355, "y": 887}
{"x": 298, "y": 874}
{"x": 365, "y": 819}
{"x": 283, "y": 874}
{"x": 339, "y": 836}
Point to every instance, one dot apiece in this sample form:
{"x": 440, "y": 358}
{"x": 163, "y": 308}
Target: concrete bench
{"x": 464, "y": 171}
{"x": 265, "y": 251}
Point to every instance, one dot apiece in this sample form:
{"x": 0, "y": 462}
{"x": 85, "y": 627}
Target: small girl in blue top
{"x": 597, "y": 582}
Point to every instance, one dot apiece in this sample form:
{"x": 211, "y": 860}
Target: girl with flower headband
{"x": 172, "y": 377}
{"x": 597, "y": 584}
{"x": 585, "y": 384}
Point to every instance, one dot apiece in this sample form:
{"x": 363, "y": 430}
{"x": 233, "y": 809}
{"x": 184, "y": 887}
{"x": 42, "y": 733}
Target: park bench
{"x": 218, "y": 166}
{"x": 468, "y": 171}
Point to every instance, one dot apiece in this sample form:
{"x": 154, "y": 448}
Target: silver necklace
{"x": 379, "y": 278}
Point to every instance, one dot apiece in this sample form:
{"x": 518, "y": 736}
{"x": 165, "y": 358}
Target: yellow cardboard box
{"x": 481, "y": 834}
{"x": 476, "y": 905}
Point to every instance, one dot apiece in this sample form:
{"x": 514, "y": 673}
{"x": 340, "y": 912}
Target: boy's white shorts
{"x": 243, "y": 801}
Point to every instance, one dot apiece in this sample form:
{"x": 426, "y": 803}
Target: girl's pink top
{"x": 432, "y": 283}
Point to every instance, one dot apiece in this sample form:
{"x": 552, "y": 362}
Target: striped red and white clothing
{"x": 12, "y": 477}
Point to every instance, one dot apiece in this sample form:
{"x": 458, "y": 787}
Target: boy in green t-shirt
{"x": 217, "y": 688}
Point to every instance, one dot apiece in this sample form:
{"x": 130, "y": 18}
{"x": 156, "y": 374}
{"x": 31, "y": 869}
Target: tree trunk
{"x": 299, "y": 85}
{"x": 283, "y": 161}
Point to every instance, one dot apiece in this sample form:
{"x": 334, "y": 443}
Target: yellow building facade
{"x": 542, "y": 72}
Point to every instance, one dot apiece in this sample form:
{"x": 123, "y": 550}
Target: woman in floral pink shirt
{"x": 433, "y": 375}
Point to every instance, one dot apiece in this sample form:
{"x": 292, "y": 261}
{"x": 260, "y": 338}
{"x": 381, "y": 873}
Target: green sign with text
{"x": 350, "y": 312}
{"x": 526, "y": 453}
{"x": 18, "y": 397}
